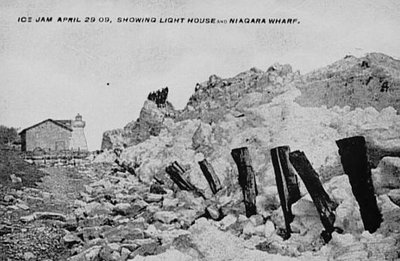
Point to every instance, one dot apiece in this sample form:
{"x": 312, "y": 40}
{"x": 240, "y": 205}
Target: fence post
{"x": 353, "y": 155}
{"x": 175, "y": 171}
{"x": 210, "y": 176}
{"x": 286, "y": 182}
{"x": 325, "y": 206}
{"x": 247, "y": 179}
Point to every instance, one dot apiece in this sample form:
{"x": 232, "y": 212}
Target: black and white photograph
{"x": 153, "y": 130}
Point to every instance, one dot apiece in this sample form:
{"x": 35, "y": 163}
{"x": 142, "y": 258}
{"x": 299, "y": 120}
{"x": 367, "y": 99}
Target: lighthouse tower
{"x": 78, "y": 139}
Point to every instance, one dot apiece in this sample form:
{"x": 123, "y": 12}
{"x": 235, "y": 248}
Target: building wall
{"x": 23, "y": 141}
{"x": 78, "y": 140}
{"x": 47, "y": 136}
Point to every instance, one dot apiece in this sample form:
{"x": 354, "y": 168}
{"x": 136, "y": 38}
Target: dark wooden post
{"x": 175, "y": 171}
{"x": 353, "y": 155}
{"x": 286, "y": 182}
{"x": 247, "y": 179}
{"x": 321, "y": 199}
{"x": 210, "y": 175}
{"x": 125, "y": 166}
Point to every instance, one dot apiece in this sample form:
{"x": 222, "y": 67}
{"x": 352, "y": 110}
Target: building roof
{"x": 61, "y": 123}
{"x": 67, "y": 123}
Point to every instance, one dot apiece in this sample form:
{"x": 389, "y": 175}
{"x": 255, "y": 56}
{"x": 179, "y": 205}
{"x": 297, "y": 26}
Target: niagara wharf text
{"x": 167, "y": 20}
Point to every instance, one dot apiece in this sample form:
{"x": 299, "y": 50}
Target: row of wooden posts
{"x": 287, "y": 166}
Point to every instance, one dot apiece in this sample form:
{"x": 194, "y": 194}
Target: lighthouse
{"x": 78, "y": 139}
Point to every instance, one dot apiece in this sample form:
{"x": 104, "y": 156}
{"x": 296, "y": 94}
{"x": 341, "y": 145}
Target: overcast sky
{"x": 55, "y": 70}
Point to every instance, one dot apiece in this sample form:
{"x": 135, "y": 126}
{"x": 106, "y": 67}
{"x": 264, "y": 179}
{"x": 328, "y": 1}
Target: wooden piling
{"x": 210, "y": 176}
{"x": 286, "y": 182}
{"x": 325, "y": 206}
{"x": 247, "y": 179}
{"x": 353, "y": 155}
{"x": 125, "y": 166}
{"x": 176, "y": 172}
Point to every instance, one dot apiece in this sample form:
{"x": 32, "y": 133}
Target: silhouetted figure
{"x": 152, "y": 96}
{"x": 198, "y": 86}
{"x": 364, "y": 64}
{"x": 159, "y": 97}
{"x": 385, "y": 86}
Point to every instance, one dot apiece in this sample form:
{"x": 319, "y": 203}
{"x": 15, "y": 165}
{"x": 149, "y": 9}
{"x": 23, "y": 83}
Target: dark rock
{"x": 29, "y": 256}
{"x": 165, "y": 216}
{"x": 4, "y": 229}
{"x": 157, "y": 189}
{"x": 130, "y": 245}
{"x": 123, "y": 233}
{"x": 110, "y": 252}
{"x": 44, "y": 216}
{"x": 125, "y": 252}
{"x": 127, "y": 209}
{"x": 71, "y": 239}
{"x": 185, "y": 244}
{"x": 267, "y": 247}
{"x": 147, "y": 248}
{"x": 92, "y": 221}
{"x": 70, "y": 225}
{"x": 394, "y": 196}
{"x": 89, "y": 233}
{"x": 137, "y": 223}
{"x": 90, "y": 254}
{"x": 151, "y": 197}
{"x": 213, "y": 212}
{"x": 9, "y": 198}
